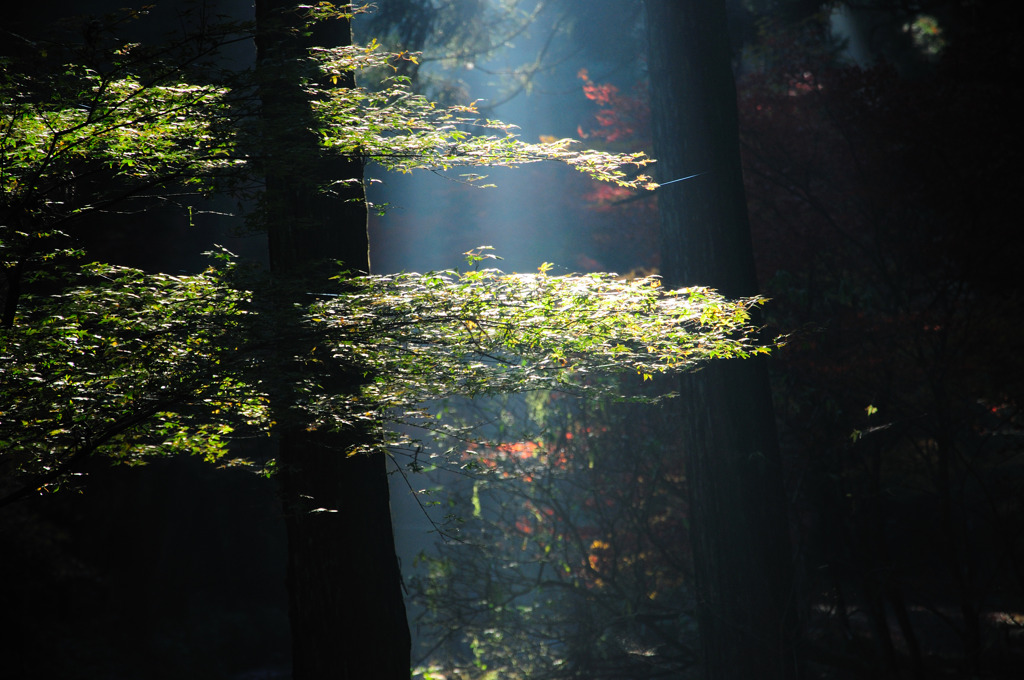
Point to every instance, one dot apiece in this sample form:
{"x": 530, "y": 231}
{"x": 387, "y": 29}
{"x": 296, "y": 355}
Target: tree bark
{"x": 347, "y": 612}
{"x": 739, "y": 532}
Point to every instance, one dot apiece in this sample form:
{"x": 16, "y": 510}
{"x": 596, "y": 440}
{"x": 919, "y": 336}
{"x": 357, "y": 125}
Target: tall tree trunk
{"x": 738, "y": 523}
{"x": 347, "y": 613}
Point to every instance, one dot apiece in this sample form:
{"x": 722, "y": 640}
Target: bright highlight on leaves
{"x": 404, "y": 131}
{"x": 430, "y": 336}
{"x": 128, "y": 364}
{"x": 131, "y": 364}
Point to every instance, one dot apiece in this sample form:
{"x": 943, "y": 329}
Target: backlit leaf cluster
{"x": 101, "y": 360}
{"x": 405, "y": 131}
{"x": 85, "y": 140}
{"x": 423, "y": 337}
{"x": 127, "y": 364}
{"x": 131, "y": 364}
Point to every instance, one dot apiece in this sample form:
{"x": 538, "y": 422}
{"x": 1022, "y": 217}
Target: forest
{"x": 525, "y": 339}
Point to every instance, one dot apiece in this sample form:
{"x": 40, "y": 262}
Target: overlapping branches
{"x": 130, "y": 364}
{"x": 431, "y": 336}
{"x": 120, "y": 127}
{"x": 404, "y": 131}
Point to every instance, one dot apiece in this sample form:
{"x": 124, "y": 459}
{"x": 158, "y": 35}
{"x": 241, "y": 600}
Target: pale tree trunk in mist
{"x": 738, "y": 523}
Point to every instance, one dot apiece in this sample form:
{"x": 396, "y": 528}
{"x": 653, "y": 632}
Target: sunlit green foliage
{"x": 126, "y": 363}
{"x": 136, "y": 127}
{"x": 440, "y": 334}
{"x": 140, "y": 130}
{"x": 61, "y": 137}
{"x": 404, "y": 131}
{"x": 99, "y": 360}
{"x": 131, "y": 364}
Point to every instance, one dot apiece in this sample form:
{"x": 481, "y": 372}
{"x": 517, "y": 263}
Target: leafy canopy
{"x": 429, "y": 336}
{"x": 405, "y": 131}
{"x": 128, "y": 364}
{"x": 114, "y": 361}
{"x": 135, "y": 364}
{"x": 84, "y": 138}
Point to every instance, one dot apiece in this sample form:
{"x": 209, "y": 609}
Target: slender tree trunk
{"x": 347, "y": 613}
{"x": 738, "y": 510}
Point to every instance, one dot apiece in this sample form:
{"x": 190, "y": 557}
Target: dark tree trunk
{"x": 347, "y": 613}
{"x": 738, "y": 524}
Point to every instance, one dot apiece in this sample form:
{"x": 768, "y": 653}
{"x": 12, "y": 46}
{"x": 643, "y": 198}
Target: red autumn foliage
{"x": 620, "y": 117}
